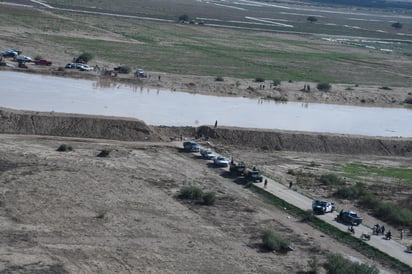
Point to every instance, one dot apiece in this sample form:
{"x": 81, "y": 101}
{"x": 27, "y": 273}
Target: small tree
{"x": 408, "y": 100}
{"x": 312, "y": 19}
{"x": 64, "y": 148}
{"x": 276, "y": 82}
{"x": 324, "y": 86}
{"x": 191, "y": 193}
{"x": 259, "y": 80}
{"x": 272, "y": 241}
{"x": 184, "y": 18}
{"x": 84, "y": 58}
{"x": 397, "y": 25}
{"x": 209, "y": 198}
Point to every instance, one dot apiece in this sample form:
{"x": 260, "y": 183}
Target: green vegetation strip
{"x": 357, "y": 169}
{"x": 334, "y": 232}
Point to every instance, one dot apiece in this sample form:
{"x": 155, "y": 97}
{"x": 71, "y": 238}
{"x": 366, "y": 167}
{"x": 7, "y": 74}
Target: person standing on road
{"x": 216, "y": 124}
{"x": 266, "y": 183}
{"x": 290, "y": 184}
{"x": 401, "y": 230}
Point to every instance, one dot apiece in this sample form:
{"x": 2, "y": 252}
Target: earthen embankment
{"x": 126, "y": 129}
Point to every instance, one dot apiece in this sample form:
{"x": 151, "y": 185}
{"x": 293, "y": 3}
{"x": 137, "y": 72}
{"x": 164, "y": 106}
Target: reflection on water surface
{"x": 171, "y": 108}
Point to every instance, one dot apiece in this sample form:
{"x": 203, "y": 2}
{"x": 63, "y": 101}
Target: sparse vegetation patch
{"x": 273, "y": 242}
{"x": 65, "y": 148}
{"x": 336, "y": 264}
{"x": 104, "y": 153}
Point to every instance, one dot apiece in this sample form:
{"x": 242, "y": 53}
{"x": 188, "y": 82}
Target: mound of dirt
{"x": 127, "y": 129}
{"x": 73, "y": 125}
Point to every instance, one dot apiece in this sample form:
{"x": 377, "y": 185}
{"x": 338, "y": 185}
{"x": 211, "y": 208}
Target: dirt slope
{"x": 115, "y": 128}
{"x": 73, "y": 212}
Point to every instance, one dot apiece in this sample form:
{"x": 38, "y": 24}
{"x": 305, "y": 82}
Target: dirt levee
{"x": 73, "y": 125}
{"x": 270, "y": 140}
{"x": 126, "y": 129}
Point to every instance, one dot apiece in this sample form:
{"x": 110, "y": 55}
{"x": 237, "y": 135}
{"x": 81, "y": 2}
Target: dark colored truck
{"x": 191, "y": 146}
{"x": 349, "y": 218}
{"x": 253, "y": 175}
{"x": 237, "y": 168}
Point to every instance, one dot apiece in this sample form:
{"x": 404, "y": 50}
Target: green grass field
{"x": 205, "y": 50}
{"x": 359, "y": 171}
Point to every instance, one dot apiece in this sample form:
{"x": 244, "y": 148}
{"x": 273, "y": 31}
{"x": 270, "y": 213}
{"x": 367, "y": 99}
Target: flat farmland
{"x": 206, "y": 50}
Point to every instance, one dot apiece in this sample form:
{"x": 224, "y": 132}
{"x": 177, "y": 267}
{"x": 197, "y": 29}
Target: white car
{"x": 221, "y": 161}
{"x": 207, "y": 154}
{"x": 23, "y": 58}
{"x": 84, "y": 67}
{"x": 322, "y": 207}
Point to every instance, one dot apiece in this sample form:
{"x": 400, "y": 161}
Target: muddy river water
{"x": 164, "y": 107}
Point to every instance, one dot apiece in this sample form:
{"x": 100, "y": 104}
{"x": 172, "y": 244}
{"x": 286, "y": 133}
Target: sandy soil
{"x": 73, "y": 212}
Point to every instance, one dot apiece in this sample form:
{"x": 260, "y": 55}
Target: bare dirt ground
{"x": 73, "y": 212}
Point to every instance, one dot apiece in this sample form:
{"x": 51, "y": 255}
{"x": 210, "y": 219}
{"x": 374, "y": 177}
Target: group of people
{"x": 378, "y": 229}
{"x": 381, "y": 230}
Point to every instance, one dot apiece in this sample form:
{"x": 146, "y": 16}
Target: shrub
{"x": 274, "y": 242}
{"x": 104, "y": 153}
{"x": 393, "y": 214}
{"x": 353, "y": 192}
{"x": 84, "y": 58}
{"x": 397, "y": 25}
{"x": 219, "y": 79}
{"x": 280, "y": 98}
{"x": 191, "y": 193}
{"x": 385, "y": 88}
{"x": 64, "y": 148}
{"x": 259, "y": 80}
{"x": 38, "y": 57}
{"x": 209, "y": 198}
{"x": 314, "y": 265}
{"x": 330, "y": 179}
{"x": 312, "y": 19}
{"x": 369, "y": 200}
{"x": 123, "y": 69}
{"x": 101, "y": 214}
{"x": 183, "y": 18}
{"x": 408, "y": 100}
{"x": 60, "y": 69}
{"x": 324, "y": 86}
{"x": 336, "y": 264}
{"x": 276, "y": 82}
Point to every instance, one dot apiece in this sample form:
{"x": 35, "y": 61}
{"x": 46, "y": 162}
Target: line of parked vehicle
{"x": 18, "y": 57}
{"x": 348, "y": 217}
{"x": 235, "y": 168}
{"x": 206, "y": 153}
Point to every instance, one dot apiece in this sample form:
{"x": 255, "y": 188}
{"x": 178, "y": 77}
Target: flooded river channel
{"x": 171, "y": 108}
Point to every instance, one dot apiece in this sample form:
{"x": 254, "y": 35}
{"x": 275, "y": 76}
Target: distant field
{"x": 205, "y": 50}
